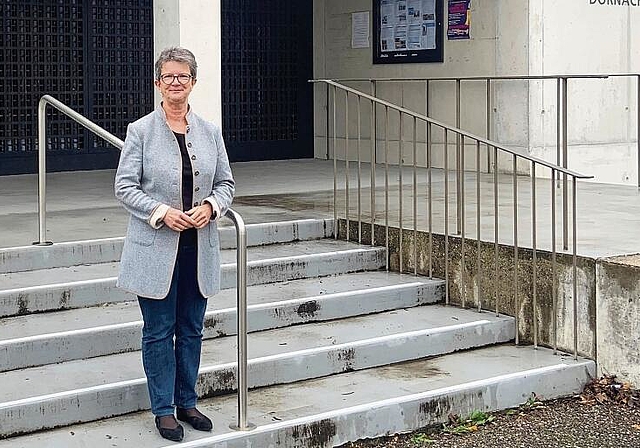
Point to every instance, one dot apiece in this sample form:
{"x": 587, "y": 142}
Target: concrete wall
{"x": 485, "y": 53}
{"x": 515, "y": 37}
{"x": 194, "y": 24}
{"x": 573, "y": 36}
{"x": 618, "y": 317}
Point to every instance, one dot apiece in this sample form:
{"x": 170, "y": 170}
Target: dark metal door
{"x": 267, "y": 50}
{"x": 94, "y": 55}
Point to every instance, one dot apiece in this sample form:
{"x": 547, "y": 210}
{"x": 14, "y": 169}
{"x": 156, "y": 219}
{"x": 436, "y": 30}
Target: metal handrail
{"x": 561, "y": 119}
{"x": 241, "y": 286}
{"x": 235, "y": 217}
{"x": 454, "y": 129}
{"x": 461, "y": 136}
{"x": 42, "y": 154}
{"x": 481, "y": 78}
{"x": 561, "y": 81}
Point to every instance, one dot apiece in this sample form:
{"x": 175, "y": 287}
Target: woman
{"x": 175, "y": 181}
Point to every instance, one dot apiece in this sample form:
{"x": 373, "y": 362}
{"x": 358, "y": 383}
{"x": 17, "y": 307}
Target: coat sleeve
{"x": 128, "y": 180}
{"x": 223, "y": 183}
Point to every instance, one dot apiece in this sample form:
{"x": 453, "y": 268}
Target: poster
{"x": 459, "y": 19}
{"x": 407, "y": 30}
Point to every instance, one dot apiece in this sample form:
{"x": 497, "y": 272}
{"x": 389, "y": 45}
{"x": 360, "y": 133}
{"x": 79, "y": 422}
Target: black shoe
{"x": 195, "y": 418}
{"x": 174, "y": 434}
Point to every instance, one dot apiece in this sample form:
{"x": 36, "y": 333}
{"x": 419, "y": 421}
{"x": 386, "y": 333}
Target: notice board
{"x": 408, "y": 31}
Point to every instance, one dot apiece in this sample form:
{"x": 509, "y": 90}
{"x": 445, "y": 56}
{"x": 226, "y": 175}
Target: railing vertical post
{"x": 359, "y": 174}
{"x": 374, "y": 157}
{"x": 558, "y": 122}
{"x": 496, "y": 284}
{"x": 516, "y": 312}
{"x": 554, "y": 289}
{"x": 489, "y": 115}
{"x": 429, "y": 177}
{"x": 638, "y": 125}
{"x": 446, "y": 216}
{"x": 374, "y": 137}
{"x": 575, "y": 268}
{"x": 415, "y": 196}
{"x": 327, "y": 133}
{"x": 346, "y": 163}
{"x": 462, "y": 218}
{"x": 565, "y": 197}
{"x": 374, "y": 94}
{"x": 430, "y": 199}
{"x": 42, "y": 175}
{"x": 459, "y": 169}
{"x": 335, "y": 169}
{"x": 241, "y": 283}
{"x": 479, "y": 264}
{"x": 400, "y": 167}
{"x": 534, "y": 244}
{"x": 386, "y": 183}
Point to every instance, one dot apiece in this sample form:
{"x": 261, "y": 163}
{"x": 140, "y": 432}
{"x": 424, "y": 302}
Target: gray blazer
{"x": 149, "y": 176}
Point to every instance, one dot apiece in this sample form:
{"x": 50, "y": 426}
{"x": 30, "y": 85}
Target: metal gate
{"x": 94, "y": 55}
{"x": 267, "y": 50}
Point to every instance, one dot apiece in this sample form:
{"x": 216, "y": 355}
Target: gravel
{"x": 578, "y": 422}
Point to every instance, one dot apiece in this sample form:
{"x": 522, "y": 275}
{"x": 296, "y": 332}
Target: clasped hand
{"x": 197, "y": 217}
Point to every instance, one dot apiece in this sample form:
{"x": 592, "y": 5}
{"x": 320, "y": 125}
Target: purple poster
{"x": 459, "y": 19}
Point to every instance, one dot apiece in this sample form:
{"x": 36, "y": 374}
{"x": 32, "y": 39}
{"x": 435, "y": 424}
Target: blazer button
{"x": 197, "y": 189}
{"x": 196, "y": 173}
{"x": 193, "y": 157}
{"x": 189, "y": 145}
{"x": 188, "y": 129}
{"x": 195, "y": 204}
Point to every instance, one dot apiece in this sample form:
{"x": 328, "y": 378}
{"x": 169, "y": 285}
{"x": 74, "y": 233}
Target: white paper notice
{"x": 360, "y": 29}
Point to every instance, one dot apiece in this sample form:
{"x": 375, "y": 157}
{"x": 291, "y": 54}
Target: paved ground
{"x": 558, "y": 424}
{"x": 80, "y": 205}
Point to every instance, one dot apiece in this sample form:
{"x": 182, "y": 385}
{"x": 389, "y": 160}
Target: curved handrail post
{"x": 42, "y": 178}
{"x": 42, "y": 155}
{"x": 241, "y": 283}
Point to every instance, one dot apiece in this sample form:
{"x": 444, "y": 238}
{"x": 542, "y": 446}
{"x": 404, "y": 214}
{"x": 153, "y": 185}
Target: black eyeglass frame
{"x": 186, "y": 77}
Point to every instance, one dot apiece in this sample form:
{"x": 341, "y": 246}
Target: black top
{"x": 187, "y": 237}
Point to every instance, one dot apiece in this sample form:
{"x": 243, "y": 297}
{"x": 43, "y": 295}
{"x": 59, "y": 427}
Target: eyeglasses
{"x": 183, "y": 78}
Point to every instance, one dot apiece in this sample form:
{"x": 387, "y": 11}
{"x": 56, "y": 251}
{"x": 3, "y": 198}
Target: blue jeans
{"x": 172, "y": 369}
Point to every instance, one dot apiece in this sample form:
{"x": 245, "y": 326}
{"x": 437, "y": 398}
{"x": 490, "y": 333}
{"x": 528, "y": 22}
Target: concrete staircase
{"x": 339, "y": 349}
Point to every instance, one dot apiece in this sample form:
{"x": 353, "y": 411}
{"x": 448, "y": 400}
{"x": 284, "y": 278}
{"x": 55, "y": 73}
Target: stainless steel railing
{"x": 42, "y": 155}
{"x": 562, "y": 101}
{"x": 495, "y": 149}
{"x": 241, "y": 235}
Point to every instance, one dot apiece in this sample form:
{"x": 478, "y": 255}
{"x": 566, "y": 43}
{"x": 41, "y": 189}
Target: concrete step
{"x": 331, "y": 411}
{"x": 27, "y": 341}
{"x": 28, "y": 258}
{"x": 80, "y": 286}
{"x": 100, "y": 387}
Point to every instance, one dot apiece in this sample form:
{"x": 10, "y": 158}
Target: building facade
{"x": 255, "y": 58}
{"x": 508, "y": 38}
